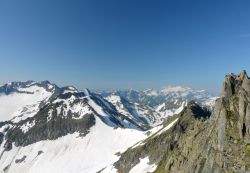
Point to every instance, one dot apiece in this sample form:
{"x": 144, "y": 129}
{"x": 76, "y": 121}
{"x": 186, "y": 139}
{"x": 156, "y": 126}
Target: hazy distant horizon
{"x": 122, "y": 88}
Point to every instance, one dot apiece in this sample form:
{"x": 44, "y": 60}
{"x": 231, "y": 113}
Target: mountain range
{"x": 46, "y": 128}
{"x": 156, "y": 105}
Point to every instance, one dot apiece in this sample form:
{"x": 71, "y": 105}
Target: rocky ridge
{"x": 201, "y": 142}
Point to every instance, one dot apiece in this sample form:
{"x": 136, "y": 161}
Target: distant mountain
{"x": 156, "y": 105}
{"x": 24, "y": 99}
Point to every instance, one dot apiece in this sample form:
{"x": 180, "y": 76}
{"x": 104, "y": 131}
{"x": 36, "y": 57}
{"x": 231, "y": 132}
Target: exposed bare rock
{"x": 200, "y": 143}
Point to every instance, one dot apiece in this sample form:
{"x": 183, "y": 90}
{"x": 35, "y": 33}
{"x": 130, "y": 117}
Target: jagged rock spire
{"x": 233, "y": 83}
{"x": 236, "y": 93}
{"x": 242, "y": 75}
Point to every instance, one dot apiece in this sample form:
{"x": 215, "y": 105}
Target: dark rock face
{"x": 1, "y": 138}
{"x": 51, "y": 130}
{"x": 8, "y": 145}
{"x": 46, "y": 127}
{"x": 47, "y": 124}
{"x": 20, "y": 160}
{"x": 200, "y": 142}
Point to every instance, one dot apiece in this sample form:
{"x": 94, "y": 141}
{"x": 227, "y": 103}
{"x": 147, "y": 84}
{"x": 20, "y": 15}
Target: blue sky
{"x": 124, "y": 44}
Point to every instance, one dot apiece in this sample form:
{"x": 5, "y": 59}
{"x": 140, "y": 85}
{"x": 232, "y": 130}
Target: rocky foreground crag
{"x": 201, "y": 142}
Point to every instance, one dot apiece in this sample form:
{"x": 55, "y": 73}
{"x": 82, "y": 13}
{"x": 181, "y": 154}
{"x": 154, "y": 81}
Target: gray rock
{"x": 200, "y": 143}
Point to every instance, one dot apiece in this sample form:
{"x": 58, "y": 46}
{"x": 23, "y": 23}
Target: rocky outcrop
{"x": 221, "y": 143}
{"x": 159, "y": 146}
{"x": 200, "y": 143}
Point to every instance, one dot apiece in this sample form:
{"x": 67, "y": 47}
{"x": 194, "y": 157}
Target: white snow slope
{"x": 16, "y": 103}
{"x": 72, "y": 153}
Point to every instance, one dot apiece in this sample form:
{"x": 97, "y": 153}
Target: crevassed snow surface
{"x": 72, "y": 153}
{"x": 15, "y": 104}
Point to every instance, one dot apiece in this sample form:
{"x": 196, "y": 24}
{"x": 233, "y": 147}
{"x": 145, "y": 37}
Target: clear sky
{"x": 124, "y": 44}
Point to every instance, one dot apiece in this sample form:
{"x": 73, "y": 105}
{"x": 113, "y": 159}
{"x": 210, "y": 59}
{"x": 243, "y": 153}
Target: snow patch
{"x": 143, "y": 166}
{"x": 160, "y": 107}
{"x": 167, "y": 127}
{"x": 49, "y": 115}
{"x": 25, "y": 127}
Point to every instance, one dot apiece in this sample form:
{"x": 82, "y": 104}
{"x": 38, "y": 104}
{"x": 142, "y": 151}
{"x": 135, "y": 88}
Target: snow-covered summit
{"x": 26, "y": 87}
{"x": 175, "y": 89}
{"x": 23, "y": 98}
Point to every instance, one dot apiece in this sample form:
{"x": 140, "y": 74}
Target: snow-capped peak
{"x": 23, "y": 98}
{"x": 19, "y": 87}
{"x": 151, "y": 92}
{"x": 20, "y": 100}
{"x": 168, "y": 90}
{"x": 174, "y": 89}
